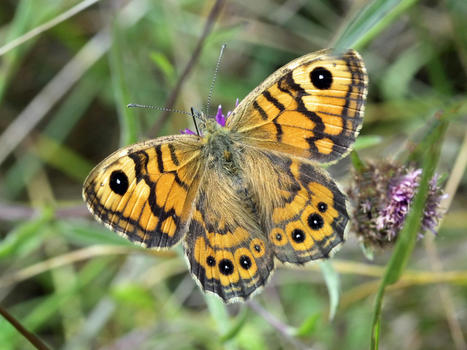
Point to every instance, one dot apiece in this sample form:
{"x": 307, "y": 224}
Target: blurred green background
{"x": 63, "y": 97}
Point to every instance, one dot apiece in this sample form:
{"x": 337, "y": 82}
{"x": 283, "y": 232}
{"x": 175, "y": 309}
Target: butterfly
{"x": 247, "y": 191}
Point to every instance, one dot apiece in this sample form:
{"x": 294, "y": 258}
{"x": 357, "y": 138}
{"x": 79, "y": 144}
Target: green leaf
{"x": 164, "y": 65}
{"x": 331, "y": 277}
{"x": 398, "y": 76}
{"x": 62, "y": 158}
{"x": 62, "y": 123}
{"x": 133, "y": 295}
{"x": 368, "y": 251}
{"x": 26, "y": 236}
{"x": 237, "y": 326}
{"x": 408, "y": 235}
{"x": 84, "y": 233}
{"x": 357, "y": 162}
{"x": 28, "y": 14}
{"x": 308, "y": 326}
{"x": 128, "y": 121}
{"x": 367, "y": 141}
{"x": 220, "y": 315}
{"x": 370, "y": 21}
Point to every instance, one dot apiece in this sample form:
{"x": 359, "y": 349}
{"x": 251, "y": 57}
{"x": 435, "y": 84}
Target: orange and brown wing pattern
{"x": 311, "y": 108}
{"x": 300, "y": 209}
{"x": 310, "y": 219}
{"x": 225, "y": 247}
{"x": 146, "y": 191}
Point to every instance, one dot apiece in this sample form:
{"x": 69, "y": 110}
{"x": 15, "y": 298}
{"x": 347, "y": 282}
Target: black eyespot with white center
{"x": 322, "y": 207}
{"x": 245, "y": 262}
{"x": 278, "y": 237}
{"x": 210, "y": 260}
{"x": 321, "y": 78}
{"x": 118, "y": 182}
{"x": 226, "y": 267}
{"x": 257, "y": 248}
{"x": 298, "y": 235}
{"x": 315, "y": 221}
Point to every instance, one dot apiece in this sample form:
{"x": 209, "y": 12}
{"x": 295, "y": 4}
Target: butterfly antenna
{"x": 193, "y": 114}
{"x": 134, "y": 105}
{"x": 211, "y": 88}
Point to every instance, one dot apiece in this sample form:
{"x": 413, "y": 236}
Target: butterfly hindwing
{"x": 299, "y": 208}
{"x": 310, "y": 108}
{"x": 226, "y": 249}
{"x": 310, "y": 220}
{"x": 145, "y": 191}
{"x": 277, "y": 206}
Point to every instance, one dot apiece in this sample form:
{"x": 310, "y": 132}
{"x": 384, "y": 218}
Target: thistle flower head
{"x": 382, "y": 196}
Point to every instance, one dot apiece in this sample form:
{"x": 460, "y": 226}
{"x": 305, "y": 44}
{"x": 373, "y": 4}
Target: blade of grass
{"x": 35, "y": 111}
{"x": 219, "y": 313}
{"x": 308, "y": 326}
{"x": 367, "y": 141}
{"x": 25, "y": 14}
{"x": 62, "y": 158}
{"x": 59, "y": 127}
{"x": 25, "y": 236}
{"x": 331, "y": 277}
{"x": 370, "y": 21}
{"x": 211, "y": 19}
{"x": 237, "y": 325}
{"x": 408, "y": 235}
{"x": 129, "y": 128}
{"x": 46, "y": 26}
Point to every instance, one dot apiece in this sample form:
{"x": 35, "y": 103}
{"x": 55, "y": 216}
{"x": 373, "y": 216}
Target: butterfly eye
{"x": 321, "y": 78}
{"x": 315, "y": 221}
{"x": 118, "y": 182}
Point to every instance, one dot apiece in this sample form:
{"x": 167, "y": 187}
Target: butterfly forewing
{"x": 311, "y": 108}
{"x": 145, "y": 191}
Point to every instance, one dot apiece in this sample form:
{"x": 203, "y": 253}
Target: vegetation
{"x": 68, "y": 69}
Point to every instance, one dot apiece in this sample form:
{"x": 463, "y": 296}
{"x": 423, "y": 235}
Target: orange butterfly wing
{"x": 311, "y": 108}
{"x": 146, "y": 191}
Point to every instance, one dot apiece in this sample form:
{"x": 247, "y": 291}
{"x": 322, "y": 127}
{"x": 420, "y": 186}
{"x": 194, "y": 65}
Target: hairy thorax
{"x": 241, "y": 180}
{"x": 221, "y": 150}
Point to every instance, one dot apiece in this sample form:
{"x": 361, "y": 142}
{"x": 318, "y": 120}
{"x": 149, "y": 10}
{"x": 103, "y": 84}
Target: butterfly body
{"x": 245, "y": 194}
{"x": 220, "y": 147}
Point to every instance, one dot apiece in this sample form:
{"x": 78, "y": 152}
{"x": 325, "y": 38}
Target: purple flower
{"x": 220, "y": 119}
{"x": 382, "y": 196}
{"x": 400, "y": 194}
{"x": 187, "y": 132}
